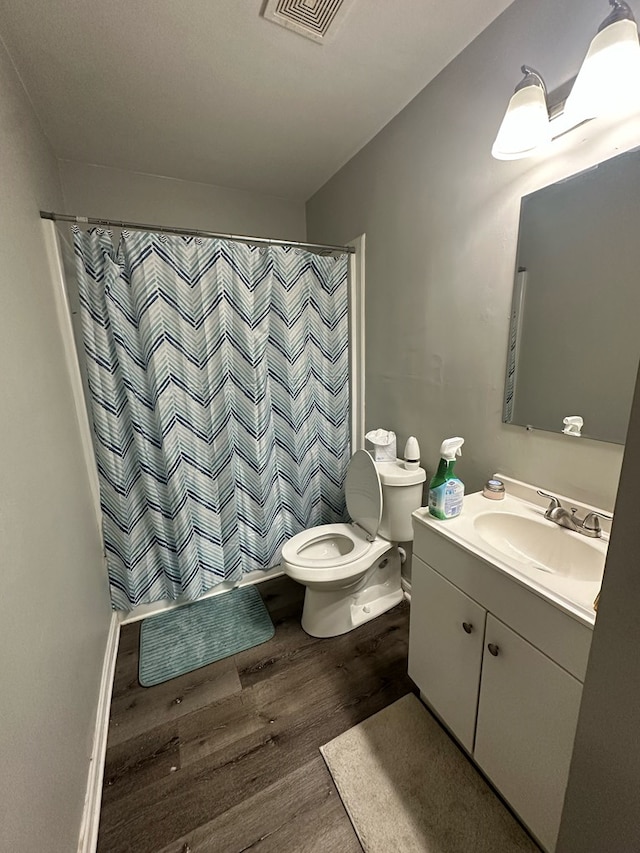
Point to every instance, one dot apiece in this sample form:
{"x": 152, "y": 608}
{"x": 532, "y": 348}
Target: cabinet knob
{"x": 468, "y": 627}
{"x": 493, "y": 649}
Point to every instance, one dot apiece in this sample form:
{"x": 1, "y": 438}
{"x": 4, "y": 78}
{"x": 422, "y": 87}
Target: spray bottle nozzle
{"x": 451, "y": 447}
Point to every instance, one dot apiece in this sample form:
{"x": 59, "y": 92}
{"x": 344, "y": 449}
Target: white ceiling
{"x": 208, "y": 90}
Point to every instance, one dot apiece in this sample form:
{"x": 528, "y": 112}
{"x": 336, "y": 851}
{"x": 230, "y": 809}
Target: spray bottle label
{"x": 445, "y": 501}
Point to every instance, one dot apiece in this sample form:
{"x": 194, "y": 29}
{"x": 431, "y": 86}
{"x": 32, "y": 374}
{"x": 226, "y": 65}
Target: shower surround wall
{"x": 441, "y": 219}
{"x": 55, "y": 609}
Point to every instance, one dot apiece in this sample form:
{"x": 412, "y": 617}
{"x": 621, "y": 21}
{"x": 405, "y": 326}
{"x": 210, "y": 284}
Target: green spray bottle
{"x": 446, "y": 491}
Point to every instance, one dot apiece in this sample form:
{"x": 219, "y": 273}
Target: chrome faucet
{"x": 587, "y": 526}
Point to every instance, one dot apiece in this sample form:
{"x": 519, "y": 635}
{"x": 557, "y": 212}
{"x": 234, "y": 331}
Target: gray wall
{"x": 603, "y": 796}
{"x": 441, "y": 218}
{"x": 102, "y": 192}
{"x": 54, "y": 607}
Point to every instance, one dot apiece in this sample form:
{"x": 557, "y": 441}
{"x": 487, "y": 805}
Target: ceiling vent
{"x": 309, "y": 18}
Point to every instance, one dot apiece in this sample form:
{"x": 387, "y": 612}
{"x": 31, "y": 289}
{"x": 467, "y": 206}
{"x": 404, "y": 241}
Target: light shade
{"x": 609, "y": 80}
{"x": 525, "y": 126}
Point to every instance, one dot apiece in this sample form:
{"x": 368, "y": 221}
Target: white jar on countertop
{"x": 494, "y": 490}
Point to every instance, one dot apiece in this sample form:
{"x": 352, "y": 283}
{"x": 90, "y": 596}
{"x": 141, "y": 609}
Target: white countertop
{"x": 574, "y": 596}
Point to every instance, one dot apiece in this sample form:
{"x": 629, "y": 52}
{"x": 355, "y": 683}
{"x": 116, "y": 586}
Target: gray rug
{"x": 197, "y": 634}
{"x": 408, "y": 788}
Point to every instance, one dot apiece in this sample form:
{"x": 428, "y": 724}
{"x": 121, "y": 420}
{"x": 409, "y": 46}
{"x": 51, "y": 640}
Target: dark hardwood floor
{"x": 225, "y": 759}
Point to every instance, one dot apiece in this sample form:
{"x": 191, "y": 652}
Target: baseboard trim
{"x": 406, "y": 588}
{"x": 88, "y": 839}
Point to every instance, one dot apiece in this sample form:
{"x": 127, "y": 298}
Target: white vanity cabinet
{"x": 503, "y": 669}
{"x": 527, "y": 717}
{"x": 445, "y": 650}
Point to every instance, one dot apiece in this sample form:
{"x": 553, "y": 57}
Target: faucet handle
{"x": 555, "y": 502}
{"x": 591, "y": 521}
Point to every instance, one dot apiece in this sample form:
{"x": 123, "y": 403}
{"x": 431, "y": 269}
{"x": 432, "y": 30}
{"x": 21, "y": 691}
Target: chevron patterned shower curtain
{"x": 219, "y": 386}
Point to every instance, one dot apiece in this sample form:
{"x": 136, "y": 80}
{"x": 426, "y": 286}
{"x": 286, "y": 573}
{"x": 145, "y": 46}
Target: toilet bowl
{"x": 352, "y": 571}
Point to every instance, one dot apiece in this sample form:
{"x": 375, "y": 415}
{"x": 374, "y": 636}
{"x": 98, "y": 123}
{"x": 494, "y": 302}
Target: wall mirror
{"x": 574, "y": 340}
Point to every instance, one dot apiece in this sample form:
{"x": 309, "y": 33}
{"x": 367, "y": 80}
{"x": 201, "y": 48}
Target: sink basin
{"x": 541, "y": 545}
{"x": 514, "y": 537}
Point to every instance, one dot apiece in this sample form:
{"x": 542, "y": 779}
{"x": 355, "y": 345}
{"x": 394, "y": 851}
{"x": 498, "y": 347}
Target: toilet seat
{"x": 342, "y": 544}
{"x": 336, "y": 551}
{"x": 333, "y": 552}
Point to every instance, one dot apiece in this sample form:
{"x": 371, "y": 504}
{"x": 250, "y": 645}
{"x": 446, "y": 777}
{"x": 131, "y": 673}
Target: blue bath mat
{"x": 197, "y": 634}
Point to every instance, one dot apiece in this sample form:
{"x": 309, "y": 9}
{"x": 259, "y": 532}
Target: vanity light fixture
{"x": 525, "y": 126}
{"x": 608, "y": 82}
{"x": 609, "y": 79}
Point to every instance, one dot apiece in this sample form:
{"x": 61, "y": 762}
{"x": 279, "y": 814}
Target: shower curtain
{"x": 219, "y": 387}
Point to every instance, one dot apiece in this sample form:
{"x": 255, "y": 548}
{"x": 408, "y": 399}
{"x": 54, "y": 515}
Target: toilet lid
{"x": 364, "y": 492}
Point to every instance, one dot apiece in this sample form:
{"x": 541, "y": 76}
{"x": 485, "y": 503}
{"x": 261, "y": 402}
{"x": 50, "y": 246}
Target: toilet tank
{"x": 401, "y": 495}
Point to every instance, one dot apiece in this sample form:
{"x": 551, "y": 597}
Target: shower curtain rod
{"x": 190, "y": 232}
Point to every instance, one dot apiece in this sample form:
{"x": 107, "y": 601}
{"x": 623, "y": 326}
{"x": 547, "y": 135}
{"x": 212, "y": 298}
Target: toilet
{"x": 352, "y": 571}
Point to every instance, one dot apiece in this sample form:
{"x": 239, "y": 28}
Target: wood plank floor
{"x": 225, "y": 759}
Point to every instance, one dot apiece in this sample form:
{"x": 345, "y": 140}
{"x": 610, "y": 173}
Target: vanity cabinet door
{"x": 527, "y": 719}
{"x": 446, "y": 633}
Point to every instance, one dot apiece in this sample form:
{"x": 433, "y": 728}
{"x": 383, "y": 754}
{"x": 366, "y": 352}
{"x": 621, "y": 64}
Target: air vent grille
{"x": 310, "y": 18}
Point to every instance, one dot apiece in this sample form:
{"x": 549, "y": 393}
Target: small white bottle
{"x": 412, "y": 453}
